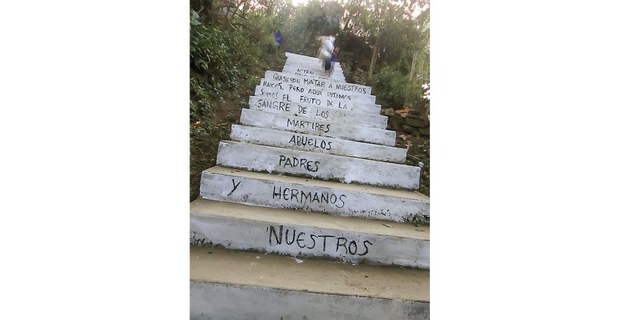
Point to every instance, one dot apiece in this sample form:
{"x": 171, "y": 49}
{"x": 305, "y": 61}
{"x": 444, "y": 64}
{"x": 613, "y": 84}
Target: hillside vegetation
{"x": 382, "y": 44}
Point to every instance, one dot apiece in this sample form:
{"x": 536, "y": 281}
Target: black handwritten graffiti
{"x": 294, "y": 162}
{"x": 292, "y": 237}
{"x": 303, "y": 124}
{"x": 302, "y": 141}
{"x": 274, "y": 104}
{"x": 302, "y": 196}
{"x": 234, "y": 187}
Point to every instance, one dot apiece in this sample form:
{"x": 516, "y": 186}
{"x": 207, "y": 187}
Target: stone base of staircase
{"x": 232, "y": 284}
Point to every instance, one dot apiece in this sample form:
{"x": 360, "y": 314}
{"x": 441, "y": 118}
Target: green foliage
{"x": 199, "y": 104}
{"x": 317, "y": 18}
{"x": 204, "y": 141}
{"x": 211, "y": 50}
{"x": 228, "y": 55}
{"x": 223, "y": 59}
{"x": 390, "y": 87}
{"x": 419, "y": 155}
{"x": 394, "y": 89}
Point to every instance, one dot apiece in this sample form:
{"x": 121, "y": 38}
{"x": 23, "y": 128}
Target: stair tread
{"x": 210, "y": 264}
{"x": 400, "y": 193}
{"x": 317, "y": 165}
{"x": 310, "y": 219}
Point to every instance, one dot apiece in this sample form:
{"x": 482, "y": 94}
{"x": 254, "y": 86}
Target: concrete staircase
{"x": 309, "y": 212}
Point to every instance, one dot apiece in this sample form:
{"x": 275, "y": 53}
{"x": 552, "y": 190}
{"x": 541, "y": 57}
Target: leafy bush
{"x": 392, "y": 89}
{"x": 211, "y": 53}
{"x": 390, "y": 86}
{"x": 225, "y": 60}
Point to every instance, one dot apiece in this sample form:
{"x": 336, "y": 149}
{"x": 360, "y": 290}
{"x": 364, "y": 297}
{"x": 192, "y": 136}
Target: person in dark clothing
{"x": 332, "y": 61}
{"x": 278, "y": 37}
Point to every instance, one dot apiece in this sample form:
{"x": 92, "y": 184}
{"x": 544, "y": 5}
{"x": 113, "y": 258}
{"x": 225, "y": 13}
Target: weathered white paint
{"x": 317, "y": 165}
{"x": 307, "y": 60}
{"x": 302, "y": 88}
{"x": 313, "y": 143}
{"x": 331, "y": 93}
{"x": 210, "y": 300}
{"x": 315, "y": 76}
{"x": 319, "y": 83}
{"x": 310, "y": 62}
{"x": 314, "y": 72}
{"x": 239, "y": 227}
{"x": 316, "y": 99}
{"x": 320, "y": 128}
{"x": 318, "y": 113}
{"x": 285, "y": 192}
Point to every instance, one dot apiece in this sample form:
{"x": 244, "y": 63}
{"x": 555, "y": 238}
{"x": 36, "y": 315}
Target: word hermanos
{"x": 309, "y": 241}
{"x": 293, "y": 162}
{"x": 310, "y": 142}
{"x": 302, "y": 197}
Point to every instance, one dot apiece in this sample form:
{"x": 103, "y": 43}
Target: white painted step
{"x": 318, "y": 83}
{"x": 271, "y": 230}
{"x": 319, "y": 100}
{"x": 314, "y": 143}
{"x": 311, "y": 63}
{"x": 300, "y": 57}
{"x": 307, "y": 60}
{"x": 317, "y": 165}
{"x": 318, "y": 113}
{"x": 241, "y": 285}
{"x": 275, "y": 191}
{"x": 321, "y": 77}
{"x": 330, "y": 93}
{"x": 320, "y": 128}
{"x": 315, "y": 72}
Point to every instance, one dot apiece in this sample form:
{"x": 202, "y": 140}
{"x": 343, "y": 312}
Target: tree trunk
{"x": 411, "y": 81}
{"x": 373, "y": 61}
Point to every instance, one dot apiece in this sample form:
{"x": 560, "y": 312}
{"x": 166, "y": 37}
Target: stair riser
{"x": 316, "y": 100}
{"x": 320, "y": 128}
{"x": 306, "y": 241}
{"x": 222, "y": 301}
{"x": 313, "y": 143}
{"x": 286, "y": 195}
{"x": 305, "y": 110}
{"x": 301, "y": 88}
{"x": 318, "y": 83}
{"x": 309, "y": 61}
{"x": 321, "y": 166}
{"x": 319, "y": 74}
{"x": 296, "y": 67}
